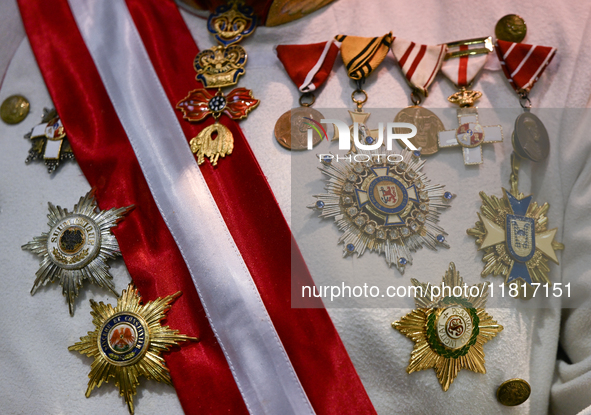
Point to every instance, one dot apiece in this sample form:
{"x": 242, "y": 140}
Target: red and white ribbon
{"x": 243, "y": 327}
{"x": 419, "y": 63}
{"x": 308, "y": 66}
{"x": 523, "y": 64}
{"x": 463, "y": 69}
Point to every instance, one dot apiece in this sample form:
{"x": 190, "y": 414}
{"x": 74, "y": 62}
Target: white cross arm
{"x": 39, "y": 131}
{"x": 472, "y": 155}
{"x": 492, "y": 133}
{"x": 447, "y": 138}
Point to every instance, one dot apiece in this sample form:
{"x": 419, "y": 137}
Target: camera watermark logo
{"x": 317, "y": 127}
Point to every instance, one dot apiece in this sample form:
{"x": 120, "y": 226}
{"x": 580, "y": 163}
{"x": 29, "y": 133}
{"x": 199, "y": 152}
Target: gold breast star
{"x": 127, "y": 342}
{"x": 449, "y": 331}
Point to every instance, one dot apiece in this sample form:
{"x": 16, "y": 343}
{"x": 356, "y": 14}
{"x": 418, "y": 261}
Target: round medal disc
{"x": 291, "y": 129}
{"x": 428, "y": 127}
{"x": 513, "y": 392}
{"x": 454, "y": 327}
{"x": 55, "y": 130}
{"x": 530, "y": 137}
{"x": 470, "y": 135}
{"x": 511, "y": 28}
{"x": 14, "y": 109}
{"x": 123, "y": 338}
{"x": 74, "y": 241}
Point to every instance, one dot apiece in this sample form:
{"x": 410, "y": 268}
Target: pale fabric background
{"x": 39, "y": 375}
{"x": 12, "y": 33}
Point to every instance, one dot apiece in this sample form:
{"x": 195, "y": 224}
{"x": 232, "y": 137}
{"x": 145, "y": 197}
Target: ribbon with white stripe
{"x": 308, "y": 66}
{"x": 523, "y": 64}
{"x": 419, "y": 63}
{"x": 258, "y": 361}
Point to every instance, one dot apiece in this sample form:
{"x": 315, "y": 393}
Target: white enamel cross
{"x": 470, "y": 135}
{"x": 53, "y": 131}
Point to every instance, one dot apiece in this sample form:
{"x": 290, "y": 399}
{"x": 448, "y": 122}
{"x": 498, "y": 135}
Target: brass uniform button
{"x": 513, "y": 392}
{"x": 14, "y": 109}
{"x": 511, "y": 28}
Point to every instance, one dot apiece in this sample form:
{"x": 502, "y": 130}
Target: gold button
{"x": 513, "y": 392}
{"x": 511, "y": 28}
{"x": 14, "y": 109}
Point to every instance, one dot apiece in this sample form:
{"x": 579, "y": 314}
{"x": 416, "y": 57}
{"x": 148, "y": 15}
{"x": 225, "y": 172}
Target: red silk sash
{"x": 199, "y": 371}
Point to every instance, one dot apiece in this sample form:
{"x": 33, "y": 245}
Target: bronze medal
{"x": 291, "y": 129}
{"x": 300, "y": 128}
{"x": 530, "y": 137}
{"x": 428, "y": 128}
{"x": 419, "y": 71}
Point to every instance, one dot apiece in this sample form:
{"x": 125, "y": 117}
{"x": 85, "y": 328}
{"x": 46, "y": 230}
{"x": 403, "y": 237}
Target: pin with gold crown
{"x": 219, "y": 67}
{"x": 463, "y": 61}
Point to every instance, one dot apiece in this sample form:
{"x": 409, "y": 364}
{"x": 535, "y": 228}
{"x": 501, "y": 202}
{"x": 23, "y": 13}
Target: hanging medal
{"x": 512, "y": 231}
{"x": 463, "y": 62}
{"x": 361, "y": 56}
{"x": 308, "y": 66}
{"x": 449, "y": 331}
{"x": 385, "y": 204}
{"x": 420, "y": 64}
{"x": 514, "y": 236}
{"x": 219, "y": 67}
{"x": 49, "y": 142}
{"x": 523, "y": 65}
{"x": 128, "y": 341}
